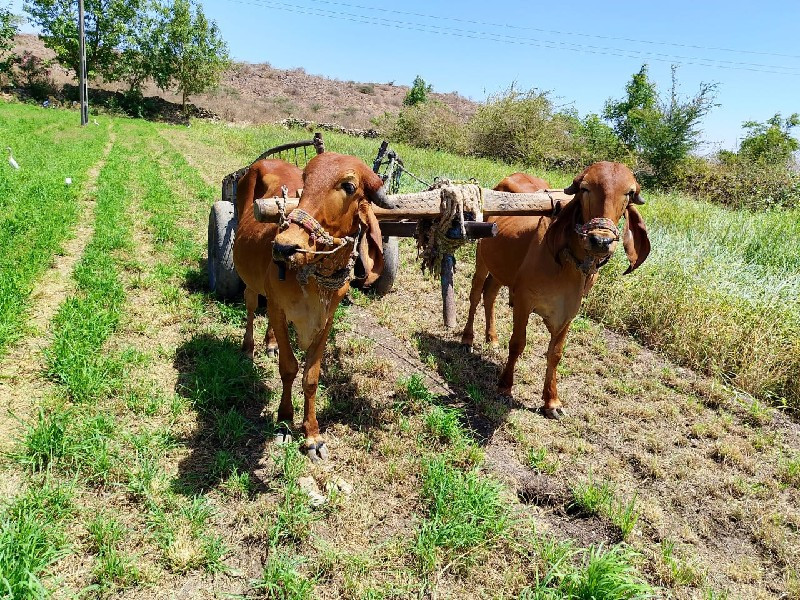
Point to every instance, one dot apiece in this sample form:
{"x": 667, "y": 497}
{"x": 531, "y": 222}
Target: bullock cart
{"x": 223, "y": 279}
{"x": 441, "y": 218}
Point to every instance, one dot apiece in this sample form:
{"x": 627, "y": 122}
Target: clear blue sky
{"x": 582, "y": 52}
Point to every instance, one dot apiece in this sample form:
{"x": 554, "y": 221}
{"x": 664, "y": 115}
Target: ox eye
{"x": 349, "y": 188}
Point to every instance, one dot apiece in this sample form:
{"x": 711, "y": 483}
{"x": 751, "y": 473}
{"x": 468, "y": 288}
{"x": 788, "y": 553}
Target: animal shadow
{"x": 227, "y": 392}
{"x": 473, "y": 380}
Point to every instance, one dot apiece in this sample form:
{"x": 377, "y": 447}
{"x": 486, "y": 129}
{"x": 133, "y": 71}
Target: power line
{"x": 550, "y": 44}
{"x": 554, "y": 32}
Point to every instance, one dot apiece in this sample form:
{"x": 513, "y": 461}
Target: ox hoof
{"x": 283, "y": 435}
{"x": 316, "y": 451}
{"x": 272, "y": 352}
{"x": 554, "y": 413}
{"x": 248, "y": 353}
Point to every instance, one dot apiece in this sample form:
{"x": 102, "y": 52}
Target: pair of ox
{"x": 548, "y": 263}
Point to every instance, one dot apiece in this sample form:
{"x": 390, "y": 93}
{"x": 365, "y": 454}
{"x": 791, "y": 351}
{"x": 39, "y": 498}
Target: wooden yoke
{"x": 478, "y": 203}
{"x": 428, "y": 205}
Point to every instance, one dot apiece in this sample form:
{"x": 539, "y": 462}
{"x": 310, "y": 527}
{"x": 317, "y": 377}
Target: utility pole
{"x": 84, "y": 89}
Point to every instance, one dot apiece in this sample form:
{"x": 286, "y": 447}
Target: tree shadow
{"x": 473, "y": 381}
{"x": 227, "y": 391}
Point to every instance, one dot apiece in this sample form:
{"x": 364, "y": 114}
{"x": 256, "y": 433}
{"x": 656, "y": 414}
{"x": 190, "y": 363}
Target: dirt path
{"x": 22, "y": 383}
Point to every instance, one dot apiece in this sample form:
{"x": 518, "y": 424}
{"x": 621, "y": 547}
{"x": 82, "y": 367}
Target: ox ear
{"x": 576, "y": 183}
{"x": 370, "y": 247}
{"x": 635, "y": 239}
{"x": 557, "y": 237}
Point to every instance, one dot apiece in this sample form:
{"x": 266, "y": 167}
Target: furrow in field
{"x": 22, "y": 385}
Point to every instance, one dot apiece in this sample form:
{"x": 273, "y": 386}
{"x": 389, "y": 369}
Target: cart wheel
{"x": 223, "y": 279}
{"x": 384, "y": 283}
{"x": 391, "y": 260}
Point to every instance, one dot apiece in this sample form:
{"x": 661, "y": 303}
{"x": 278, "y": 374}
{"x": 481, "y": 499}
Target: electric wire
{"x": 549, "y": 44}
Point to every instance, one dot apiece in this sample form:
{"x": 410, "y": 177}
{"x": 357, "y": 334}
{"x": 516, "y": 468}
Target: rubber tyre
{"x": 223, "y": 280}
{"x": 391, "y": 261}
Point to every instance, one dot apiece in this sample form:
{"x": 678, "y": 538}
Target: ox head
{"x": 604, "y": 193}
{"x": 338, "y": 192}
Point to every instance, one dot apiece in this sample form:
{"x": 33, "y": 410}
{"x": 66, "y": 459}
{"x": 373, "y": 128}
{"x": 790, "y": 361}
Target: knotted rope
{"x": 433, "y": 241}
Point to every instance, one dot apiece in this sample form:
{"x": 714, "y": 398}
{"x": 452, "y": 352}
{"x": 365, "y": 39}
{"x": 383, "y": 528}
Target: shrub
{"x": 596, "y": 141}
{"x": 429, "y": 125}
{"x": 520, "y": 127}
{"x": 770, "y": 142}
{"x": 663, "y": 130}
{"x": 740, "y": 183}
{"x": 33, "y": 74}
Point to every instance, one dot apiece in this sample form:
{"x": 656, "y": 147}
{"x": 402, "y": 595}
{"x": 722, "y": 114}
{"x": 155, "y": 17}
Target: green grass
{"x": 37, "y": 208}
{"x": 466, "y": 515}
{"x": 601, "y": 574}
{"x": 86, "y": 319}
{"x": 538, "y": 461}
{"x": 32, "y": 537}
{"x": 282, "y": 579}
{"x": 293, "y": 516}
{"x": 592, "y": 498}
{"x": 720, "y": 292}
{"x": 181, "y": 529}
{"x": 112, "y": 567}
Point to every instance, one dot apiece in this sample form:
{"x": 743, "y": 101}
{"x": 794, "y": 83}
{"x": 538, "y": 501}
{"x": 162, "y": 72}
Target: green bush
{"x": 430, "y": 124}
{"x": 521, "y": 127}
{"x": 740, "y": 183}
{"x": 596, "y": 141}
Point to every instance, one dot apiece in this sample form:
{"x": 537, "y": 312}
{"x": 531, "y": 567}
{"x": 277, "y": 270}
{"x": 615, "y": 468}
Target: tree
{"x": 107, "y": 23}
{"x": 8, "y": 29}
{"x": 598, "y": 141}
{"x": 418, "y": 94}
{"x": 770, "y": 142}
{"x": 662, "y": 131}
{"x": 192, "y": 54}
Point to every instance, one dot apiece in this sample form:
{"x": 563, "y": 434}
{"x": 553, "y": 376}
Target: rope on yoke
{"x": 433, "y": 241}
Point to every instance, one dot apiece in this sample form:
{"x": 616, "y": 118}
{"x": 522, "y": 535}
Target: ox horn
{"x": 380, "y": 198}
{"x": 638, "y": 198}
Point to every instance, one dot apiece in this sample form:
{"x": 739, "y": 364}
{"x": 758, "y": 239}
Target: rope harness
{"x": 329, "y": 273}
{"x": 595, "y": 224}
{"x": 590, "y": 265}
{"x": 444, "y": 235}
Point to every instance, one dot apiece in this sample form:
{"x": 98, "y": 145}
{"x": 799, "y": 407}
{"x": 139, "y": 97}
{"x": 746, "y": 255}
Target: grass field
{"x": 137, "y": 458}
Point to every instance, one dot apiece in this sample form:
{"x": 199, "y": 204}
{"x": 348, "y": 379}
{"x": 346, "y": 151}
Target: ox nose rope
{"x": 599, "y": 223}
{"x": 591, "y": 265}
{"x": 328, "y": 276}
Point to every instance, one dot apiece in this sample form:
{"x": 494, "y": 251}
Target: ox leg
{"x": 519, "y": 338}
{"x": 314, "y": 445}
{"x": 251, "y": 302}
{"x": 490, "y": 290}
{"x": 558, "y": 335}
{"x": 288, "y": 367}
{"x": 271, "y": 342}
{"x": 478, "y": 280}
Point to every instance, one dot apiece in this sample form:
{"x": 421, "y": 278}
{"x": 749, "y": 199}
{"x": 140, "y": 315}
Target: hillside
{"x": 259, "y": 93}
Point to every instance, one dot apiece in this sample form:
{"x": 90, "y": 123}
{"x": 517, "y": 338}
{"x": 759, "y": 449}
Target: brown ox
{"x": 550, "y": 264}
{"x": 313, "y": 254}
